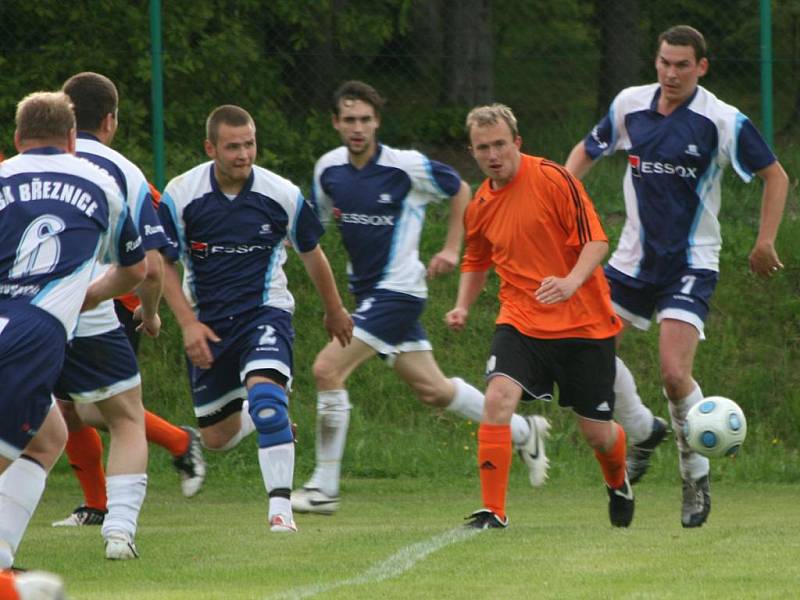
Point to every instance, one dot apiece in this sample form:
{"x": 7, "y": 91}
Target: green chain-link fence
{"x": 558, "y": 64}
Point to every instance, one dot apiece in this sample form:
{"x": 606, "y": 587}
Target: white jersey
{"x": 380, "y": 210}
{"x": 233, "y": 249}
{"x": 136, "y": 192}
{"x": 672, "y": 184}
{"x": 60, "y": 215}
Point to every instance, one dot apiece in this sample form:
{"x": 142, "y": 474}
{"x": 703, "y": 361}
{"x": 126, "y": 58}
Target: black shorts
{"x": 584, "y": 369}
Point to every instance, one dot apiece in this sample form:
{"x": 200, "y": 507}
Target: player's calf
{"x": 269, "y": 411}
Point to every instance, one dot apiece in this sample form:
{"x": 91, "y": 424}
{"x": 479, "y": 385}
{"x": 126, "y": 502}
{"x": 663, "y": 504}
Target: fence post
{"x": 157, "y": 93}
{"x": 766, "y": 70}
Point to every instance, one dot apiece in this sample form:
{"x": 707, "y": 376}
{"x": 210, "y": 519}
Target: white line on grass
{"x": 397, "y": 564}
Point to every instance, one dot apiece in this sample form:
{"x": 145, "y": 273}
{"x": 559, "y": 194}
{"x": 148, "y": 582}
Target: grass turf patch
{"x": 390, "y": 540}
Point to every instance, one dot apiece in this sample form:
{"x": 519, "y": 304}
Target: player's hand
{"x": 339, "y": 325}
{"x": 764, "y": 260}
{"x": 150, "y": 327}
{"x": 555, "y": 289}
{"x": 196, "y": 336}
{"x": 456, "y": 319}
{"x": 442, "y": 262}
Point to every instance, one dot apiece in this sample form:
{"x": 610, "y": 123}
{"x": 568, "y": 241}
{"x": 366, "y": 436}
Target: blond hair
{"x": 482, "y": 116}
{"x": 44, "y": 115}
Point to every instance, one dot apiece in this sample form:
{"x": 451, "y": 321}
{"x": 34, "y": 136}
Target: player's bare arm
{"x": 446, "y": 259}
{"x": 195, "y": 334}
{"x": 559, "y": 289}
{"x": 116, "y": 281}
{"x": 149, "y": 292}
{"x": 338, "y": 323}
{"x": 469, "y": 288}
{"x": 579, "y": 162}
{"x": 764, "y": 259}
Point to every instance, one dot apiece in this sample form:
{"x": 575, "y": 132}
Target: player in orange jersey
{"x": 536, "y": 225}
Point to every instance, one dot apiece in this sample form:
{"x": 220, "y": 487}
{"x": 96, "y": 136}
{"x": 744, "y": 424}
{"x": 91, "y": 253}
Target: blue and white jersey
{"x": 380, "y": 210}
{"x": 232, "y": 249}
{"x": 136, "y": 193}
{"x": 59, "y": 215}
{"x": 672, "y": 182}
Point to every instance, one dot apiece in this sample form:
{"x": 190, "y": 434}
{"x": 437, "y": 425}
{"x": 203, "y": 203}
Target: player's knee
{"x": 326, "y": 374}
{"x": 597, "y": 440}
{"x": 498, "y": 408}
{"x": 46, "y": 448}
{"x": 497, "y": 398}
{"x": 320, "y": 369}
{"x": 213, "y": 439}
{"x": 269, "y": 410}
{"x": 437, "y": 394}
{"x": 675, "y": 378}
{"x": 57, "y": 441}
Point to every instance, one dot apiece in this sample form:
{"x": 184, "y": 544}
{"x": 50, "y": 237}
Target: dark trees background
{"x": 557, "y": 64}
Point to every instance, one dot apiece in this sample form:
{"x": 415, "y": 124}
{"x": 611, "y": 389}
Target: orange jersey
{"x": 532, "y": 228}
{"x": 131, "y": 300}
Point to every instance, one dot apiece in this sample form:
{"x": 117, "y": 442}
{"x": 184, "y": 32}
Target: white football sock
{"x": 247, "y": 427}
{"x": 468, "y": 402}
{"x": 277, "y": 471}
{"x": 692, "y": 465}
{"x": 21, "y": 488}
{"x": 125, "y": 498}
{"x": 333, "y": 420}
{"x": 629, "y": 410}
{"x": 279, "y": 506}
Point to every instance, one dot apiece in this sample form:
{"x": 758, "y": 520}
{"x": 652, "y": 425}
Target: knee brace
{"x": 268, "y": 408}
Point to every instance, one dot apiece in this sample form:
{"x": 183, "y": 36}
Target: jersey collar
{"x": 85, "y": 135}
{"x": 372, "y": 161}
{"x": 523, "y": 166}
{"x": 245, "y": 188}
{"x": 45, "y": 150}
{"x": 657, "y": 95}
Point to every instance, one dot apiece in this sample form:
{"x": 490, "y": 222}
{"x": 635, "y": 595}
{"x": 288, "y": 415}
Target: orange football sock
{"x": 7, "y": 589}
{"x": 85, "y": 454}
{"x": 612, "y": 462}
{"x": 170, "y": 437}
{"x": 494, "y": 464}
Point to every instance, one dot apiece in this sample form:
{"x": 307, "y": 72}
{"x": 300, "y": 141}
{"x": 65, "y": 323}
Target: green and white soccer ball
{"x": 715, "y": 427}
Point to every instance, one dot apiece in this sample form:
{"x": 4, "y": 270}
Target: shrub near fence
{"x": 557, "y": 64}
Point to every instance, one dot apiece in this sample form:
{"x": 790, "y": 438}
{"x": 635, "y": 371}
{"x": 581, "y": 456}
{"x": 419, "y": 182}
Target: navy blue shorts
{"x": 98, "y": 367}
{"x": 259, "y": 340}
{"x": 128, "y": 324}
{"x": 32, "y": 345}
{"x": 389, "y": 322}
{"x": 584, "y": 369}
{"x": 685, "y": 298}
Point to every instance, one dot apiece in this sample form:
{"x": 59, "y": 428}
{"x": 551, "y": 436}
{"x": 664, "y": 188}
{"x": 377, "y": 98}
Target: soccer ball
{"x": 715, "y": 427}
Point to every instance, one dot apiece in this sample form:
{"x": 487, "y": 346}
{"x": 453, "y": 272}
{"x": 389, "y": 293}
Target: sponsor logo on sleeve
{"x": 133, "y": 245}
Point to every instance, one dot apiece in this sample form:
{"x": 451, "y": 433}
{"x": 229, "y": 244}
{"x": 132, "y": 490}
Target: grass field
{"x": 402, "y": 538}
{"x": 410, "y": 472}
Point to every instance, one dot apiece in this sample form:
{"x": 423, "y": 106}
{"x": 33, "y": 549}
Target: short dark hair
{"x": 684, "y": 35}
{"x": 94, "y": 96}
{"x": 358, "y": 90}
{"x": 44, "y": 116}
{"x": 229, "y": 114}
